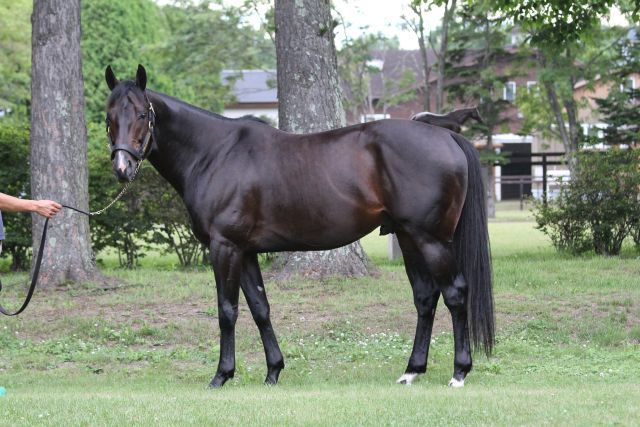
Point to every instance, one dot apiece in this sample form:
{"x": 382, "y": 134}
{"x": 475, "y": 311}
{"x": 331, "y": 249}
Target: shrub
{"x": 599, "y": 207}
{"x": 14, "y": 180}
{"x": 563, "y": 222}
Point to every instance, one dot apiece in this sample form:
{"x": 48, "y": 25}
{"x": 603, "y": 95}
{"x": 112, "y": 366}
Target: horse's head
{"x": 475, "y": 114}
{"x": 130, "y": 121}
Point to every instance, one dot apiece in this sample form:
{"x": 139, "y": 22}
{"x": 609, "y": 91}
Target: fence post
{"x": 394, "y": 247}
{"x": 544, "y": 179}
{"x": 521, "y": 191}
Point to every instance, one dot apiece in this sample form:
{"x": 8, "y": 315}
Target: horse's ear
{"x": 141, "y": 77}
{"x": 110, "y": 77}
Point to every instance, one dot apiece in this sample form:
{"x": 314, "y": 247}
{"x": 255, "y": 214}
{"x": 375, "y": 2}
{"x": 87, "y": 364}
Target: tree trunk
{"x": 491, "y": 181}
{"x": 310, "y": 101}
{"x": 449, "y": 9}
{"x": 59, "y": 140}
{"x": 426, "y": 68}
{"x": 570, "y": 138}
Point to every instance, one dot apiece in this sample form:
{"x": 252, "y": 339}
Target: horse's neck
{"x": 461, "y": 115}
{"x": 181, "y": 137}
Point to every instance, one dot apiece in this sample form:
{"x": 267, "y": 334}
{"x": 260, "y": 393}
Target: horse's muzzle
{"x": 123, "y": 166}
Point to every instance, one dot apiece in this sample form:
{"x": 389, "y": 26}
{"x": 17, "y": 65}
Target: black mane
{"x": 123, "y": 87}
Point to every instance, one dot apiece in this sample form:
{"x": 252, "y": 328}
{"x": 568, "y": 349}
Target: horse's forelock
{"x": 120, "y": 90}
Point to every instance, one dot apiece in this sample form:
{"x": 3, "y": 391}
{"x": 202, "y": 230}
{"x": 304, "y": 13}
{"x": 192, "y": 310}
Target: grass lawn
{"x": 141, "y": 349}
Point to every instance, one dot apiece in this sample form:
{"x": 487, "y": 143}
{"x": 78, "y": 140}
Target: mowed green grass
{"x": 141, "y": 348}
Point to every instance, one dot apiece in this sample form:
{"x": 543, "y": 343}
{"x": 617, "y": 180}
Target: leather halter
{"x": 141, "y": 154}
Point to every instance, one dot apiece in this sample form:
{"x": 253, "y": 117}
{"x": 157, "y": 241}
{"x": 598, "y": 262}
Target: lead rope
{"x": 120, "y": 194}
{"x": 36, "y": 269}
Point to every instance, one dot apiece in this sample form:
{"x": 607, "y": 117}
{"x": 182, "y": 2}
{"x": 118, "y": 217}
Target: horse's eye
{"x": 142, "y": 115}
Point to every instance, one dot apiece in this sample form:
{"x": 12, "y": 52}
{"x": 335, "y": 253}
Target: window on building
{"x": 531, "y": 84}
{"x": 594, "y": 129}
{"x": 509, "y": 92}
{"x": 628, "y": 85}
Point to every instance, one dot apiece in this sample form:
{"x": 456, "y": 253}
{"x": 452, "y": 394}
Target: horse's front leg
{"x": 227, "y": 266}
{"x": 256, "y": 296}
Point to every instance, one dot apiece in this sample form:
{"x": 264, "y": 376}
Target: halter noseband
{"x": 141, "y": 154}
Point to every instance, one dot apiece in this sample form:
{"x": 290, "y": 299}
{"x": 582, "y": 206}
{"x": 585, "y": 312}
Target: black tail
{"x": 473, "y": 253}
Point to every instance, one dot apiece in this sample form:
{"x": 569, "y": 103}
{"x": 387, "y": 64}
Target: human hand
{"x": 46, "y": 208}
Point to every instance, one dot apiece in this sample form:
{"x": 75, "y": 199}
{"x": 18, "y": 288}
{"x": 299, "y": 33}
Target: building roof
{"x": 260, "y": 86}
{"x": 252, "y": 86}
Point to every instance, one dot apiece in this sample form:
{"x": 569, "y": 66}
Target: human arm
{"x": 46, "y": 208}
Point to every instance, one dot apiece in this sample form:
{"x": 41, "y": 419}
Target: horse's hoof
{"x": 454, "y": 383}
{"x": 272, "y": 379}
{"x": 272, "y": 376}
{"x": 218, "y": 381}
{"x": 407, "y": 379}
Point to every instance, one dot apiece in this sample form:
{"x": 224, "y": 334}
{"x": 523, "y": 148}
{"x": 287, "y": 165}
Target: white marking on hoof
{"x": 407, "y": 379}
{"x": 456, "y": 383}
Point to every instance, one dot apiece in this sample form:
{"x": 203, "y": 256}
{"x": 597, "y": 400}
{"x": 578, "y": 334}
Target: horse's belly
{"x": 311, "y": 233}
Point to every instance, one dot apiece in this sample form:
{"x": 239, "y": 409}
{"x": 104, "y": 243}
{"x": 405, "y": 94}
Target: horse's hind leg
{"x": 441, "y": 266}
{"x": 441, "y": 263}
{"x": 425, "y": 297}
{"x": 256, "y": 296}
{"x": 455, "y": 298}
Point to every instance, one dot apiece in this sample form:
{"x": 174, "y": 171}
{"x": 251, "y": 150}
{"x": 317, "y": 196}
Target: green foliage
{"x": 204, "y": 39}
{"x": 599, "y": 208}
{"x": 119, "y": 33}
{"x": 563, "y": 221}
{"x": 477, "y": 51}
{"x": 554, "y": 23}
{"x": 557, "y": 74}
{"x": 571, "y": 45}
{"x": 357, "y": 72}
{"x": 622, "y": 115}
{"x": 14, "y": 180}
{"x": 620, "y": 109}
{"x": 15, "y": 51}
{"x": 171, "y": 223}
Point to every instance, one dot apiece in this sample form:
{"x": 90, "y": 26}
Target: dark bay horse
{"x": 452, "y": 121}
{"x": 250, "y": 188}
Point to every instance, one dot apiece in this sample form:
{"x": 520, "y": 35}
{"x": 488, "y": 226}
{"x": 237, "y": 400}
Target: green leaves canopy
{"x": 555, "y": 22}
